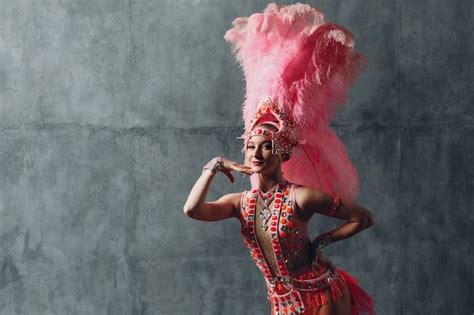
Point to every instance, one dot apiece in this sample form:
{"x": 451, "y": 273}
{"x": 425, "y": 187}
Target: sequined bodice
{"x": 284, "y": 248}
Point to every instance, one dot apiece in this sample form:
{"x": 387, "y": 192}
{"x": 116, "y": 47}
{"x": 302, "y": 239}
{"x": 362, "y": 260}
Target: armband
{"x": 321, "y": 242}
{"x": 336, "y": 202}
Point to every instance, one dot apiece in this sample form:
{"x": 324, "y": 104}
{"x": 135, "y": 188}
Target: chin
{"x": 262, "y": 170}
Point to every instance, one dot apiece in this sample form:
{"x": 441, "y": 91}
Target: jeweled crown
{"x": 271, "y": 113}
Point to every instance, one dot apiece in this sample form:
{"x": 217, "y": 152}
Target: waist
{"x": 306, "y": 280}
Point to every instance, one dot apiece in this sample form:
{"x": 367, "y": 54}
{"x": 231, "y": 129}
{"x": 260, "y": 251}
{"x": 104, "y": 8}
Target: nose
{"x": 258, "y": 153}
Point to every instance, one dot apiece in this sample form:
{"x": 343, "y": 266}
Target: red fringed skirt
{"x": 362, "y": 303}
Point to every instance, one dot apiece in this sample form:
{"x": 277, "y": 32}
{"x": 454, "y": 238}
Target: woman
{"x": 297, "y": 68}
{"x": 260, "y": 160}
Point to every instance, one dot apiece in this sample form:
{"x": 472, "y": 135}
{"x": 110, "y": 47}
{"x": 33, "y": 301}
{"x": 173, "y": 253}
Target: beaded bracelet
{"x": 336, "y": 202}
{"x": 321, "y": 242}
{"x": 214, "y": 165}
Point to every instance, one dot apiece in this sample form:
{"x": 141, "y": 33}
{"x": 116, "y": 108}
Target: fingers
{"x": 244, "y": 169}
{"x": 247, "y": 171}
{"x": 315, "y": 261}
{"x": 321, "y": 260}
{"x": 229, "y": 165}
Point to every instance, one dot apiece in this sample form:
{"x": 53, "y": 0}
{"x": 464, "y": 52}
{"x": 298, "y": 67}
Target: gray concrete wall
{"x": 110, "y": 108}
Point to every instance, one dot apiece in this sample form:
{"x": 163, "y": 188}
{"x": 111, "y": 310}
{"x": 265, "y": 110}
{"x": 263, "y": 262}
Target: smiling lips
{"x": 257, "y": 162}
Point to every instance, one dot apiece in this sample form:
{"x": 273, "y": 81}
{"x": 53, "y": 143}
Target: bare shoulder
{"x": 310, "y": 200}
{"x": 305, "y": 194}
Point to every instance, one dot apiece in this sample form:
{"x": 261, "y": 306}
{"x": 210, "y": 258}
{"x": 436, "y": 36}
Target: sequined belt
{"x": 291, "y": 302}
{"x": 305, "y": 284}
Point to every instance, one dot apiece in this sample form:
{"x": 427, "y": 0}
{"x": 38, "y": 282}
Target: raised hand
{"x": 228, "y": 166}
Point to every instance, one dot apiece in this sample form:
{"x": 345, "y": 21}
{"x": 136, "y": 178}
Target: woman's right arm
{"x": 225, "y": 207}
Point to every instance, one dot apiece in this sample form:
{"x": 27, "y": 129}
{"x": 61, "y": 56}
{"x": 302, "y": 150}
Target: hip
{"x": 311, "y": 287}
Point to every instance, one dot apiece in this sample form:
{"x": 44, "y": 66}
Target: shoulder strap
{"x": 292, "y": 197}
{"x": 293, "y": 193}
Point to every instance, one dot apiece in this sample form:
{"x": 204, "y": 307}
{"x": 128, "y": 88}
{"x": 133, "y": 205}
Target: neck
{"x": 268, "y": 181}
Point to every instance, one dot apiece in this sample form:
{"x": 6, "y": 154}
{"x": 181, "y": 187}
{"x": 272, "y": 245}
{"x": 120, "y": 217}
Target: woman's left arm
{"x": 312, "y": 201}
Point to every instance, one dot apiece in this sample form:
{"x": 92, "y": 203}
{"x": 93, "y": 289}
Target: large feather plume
{"x": 290, "y": 54}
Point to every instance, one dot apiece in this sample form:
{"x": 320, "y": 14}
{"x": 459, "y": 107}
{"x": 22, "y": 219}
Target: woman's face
{"x": 258, "y": 154}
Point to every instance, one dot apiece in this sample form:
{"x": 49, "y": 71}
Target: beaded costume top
{"x": 285, "y": 228}
{"x": 282, "y": 252}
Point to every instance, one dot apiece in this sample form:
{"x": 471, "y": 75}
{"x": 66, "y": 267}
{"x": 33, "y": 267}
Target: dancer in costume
{"x": 298, "y": 69}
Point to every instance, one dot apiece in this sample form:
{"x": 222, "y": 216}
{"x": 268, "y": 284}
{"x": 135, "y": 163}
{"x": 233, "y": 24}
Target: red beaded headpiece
{"x": 268, "y": 112}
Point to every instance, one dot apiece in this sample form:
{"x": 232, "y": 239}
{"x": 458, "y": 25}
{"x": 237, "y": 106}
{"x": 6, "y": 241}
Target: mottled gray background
{"x": 109, "y": 109}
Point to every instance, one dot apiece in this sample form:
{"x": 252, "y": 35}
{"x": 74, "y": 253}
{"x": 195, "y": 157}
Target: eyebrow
{"x": 251, "y": 142}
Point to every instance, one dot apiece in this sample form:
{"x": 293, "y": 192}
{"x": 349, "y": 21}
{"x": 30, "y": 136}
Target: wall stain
{"x": 9, "y": 272}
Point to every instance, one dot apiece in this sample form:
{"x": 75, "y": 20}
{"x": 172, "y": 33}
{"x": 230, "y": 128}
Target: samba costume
{"x": 298, "y": 69}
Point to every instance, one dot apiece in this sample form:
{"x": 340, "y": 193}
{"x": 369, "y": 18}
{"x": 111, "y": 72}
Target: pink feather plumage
{"x": 290, "y": 54}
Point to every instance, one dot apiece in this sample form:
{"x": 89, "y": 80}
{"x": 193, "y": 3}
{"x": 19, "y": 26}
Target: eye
{"x": 267, "y": 146}
{"x": 250, "y": 147}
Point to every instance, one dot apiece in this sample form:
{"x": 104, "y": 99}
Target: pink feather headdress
{"x": 305, "y": 66}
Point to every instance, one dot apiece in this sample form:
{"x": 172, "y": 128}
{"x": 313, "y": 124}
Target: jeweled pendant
{"x": 265, "y": 216}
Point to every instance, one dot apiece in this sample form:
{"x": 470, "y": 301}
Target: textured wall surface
{"x": 110, "y": 108}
